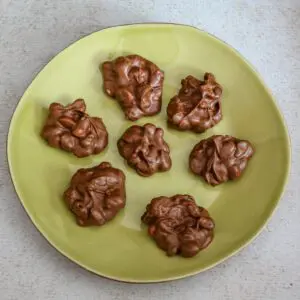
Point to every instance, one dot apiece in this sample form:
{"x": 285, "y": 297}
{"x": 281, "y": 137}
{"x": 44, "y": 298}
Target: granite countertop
{"x": 266, "y": 32}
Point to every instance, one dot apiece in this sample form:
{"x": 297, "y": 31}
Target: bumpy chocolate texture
{"x": 197, "y": 107}
{"x": 145, "y": 149}
{"x": 220, "y": 158}
{"x": 178, "y": 225}
{"x": 136, "y": 83}
{"x": 96, "y": 194}
{"x": 72, "y": 129}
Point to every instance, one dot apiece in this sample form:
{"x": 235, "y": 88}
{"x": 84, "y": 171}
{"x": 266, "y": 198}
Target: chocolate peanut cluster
{"x": 70, "y": 128}
{"x": 145, "y": 150}
{"x": 96, "y": 194}
{"x": 136, "y": 83}
{"x": 220, "y": 158}
{"x": 178, "y": 225}
{"x": 197, "y": 107}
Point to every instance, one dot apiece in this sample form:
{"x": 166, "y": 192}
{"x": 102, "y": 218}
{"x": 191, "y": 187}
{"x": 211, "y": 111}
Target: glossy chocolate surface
{"x": 220, "y": 158}
{"x": 70, "y": 128}
{"x": 96, "y": 194}
{"x": 197, "y": 107}
{"x": 145, "y": 150}
{"x": 178, "y": 225}
{"x": 136, "y": 83}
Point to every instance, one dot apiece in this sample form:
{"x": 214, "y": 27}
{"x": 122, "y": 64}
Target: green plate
{"x": 121, "y": 249}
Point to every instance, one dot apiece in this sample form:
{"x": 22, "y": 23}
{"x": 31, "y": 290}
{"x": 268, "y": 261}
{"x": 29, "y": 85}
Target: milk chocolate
{"x": 136, "y": 83}
{"x": 220, "y": 158}
{"x": 145, "y": 150}
{"x": 70, "y": 128}
{"x": 96, "y": 194}
{"x": 178, "y": 225}
{"x": 197, "y": 107}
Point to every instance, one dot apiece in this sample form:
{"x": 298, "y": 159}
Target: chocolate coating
{"x": 145, "y": 150}
{"x": 220, "y": 158}
{"x": 96, "y": 194}
{"x": 70, "y": 128}
{"x": 197, "y": 106}
{"x": 136, "y": 83}
{"x": 178, "y": 225}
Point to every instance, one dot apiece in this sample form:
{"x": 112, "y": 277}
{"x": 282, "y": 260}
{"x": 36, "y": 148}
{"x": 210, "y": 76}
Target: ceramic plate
{"x": 121, "y": 249}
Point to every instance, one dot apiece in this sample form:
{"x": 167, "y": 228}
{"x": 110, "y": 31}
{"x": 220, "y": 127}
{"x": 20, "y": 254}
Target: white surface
{"x": 266, "y": 32}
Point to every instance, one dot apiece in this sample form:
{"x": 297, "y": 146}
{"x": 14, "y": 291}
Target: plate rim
{"x": 243, "y": 245}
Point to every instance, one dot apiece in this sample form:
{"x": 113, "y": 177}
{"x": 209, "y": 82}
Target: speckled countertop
{"x": 266, "y": 32}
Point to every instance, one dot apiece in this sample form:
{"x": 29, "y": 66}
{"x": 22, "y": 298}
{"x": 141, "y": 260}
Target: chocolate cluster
{"x": 197, "y": 107}
{"x": 96, "y": 194}
{"x": 178, "y": 225}
{"x": 220, "y": 158}
{"x": 145, "y": 150}
{"x": 72, "y": 129}
{"x": 136, "y": 83}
